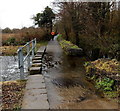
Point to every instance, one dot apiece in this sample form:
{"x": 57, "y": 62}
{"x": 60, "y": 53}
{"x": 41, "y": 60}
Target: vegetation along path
{"x": 66, "y": 82}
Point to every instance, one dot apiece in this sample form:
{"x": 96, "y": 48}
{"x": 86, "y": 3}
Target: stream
{"x": 9, "y": 68}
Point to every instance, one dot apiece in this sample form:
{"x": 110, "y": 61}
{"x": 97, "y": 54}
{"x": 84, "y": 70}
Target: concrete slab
{"x": 35, "y": 102}
{"x": 35, "y": 94}
{"x": 35, "y": 81}
{"x": 37, "y": 65}
{"x": 34, "y": 70}
{"x": 37, "y": 58}
{"x": 38, "y": 55}
{"x": 35, "y": 86}
{"x": 37, "y": 61}
{"x": 35, "y": 77}
{"x": 41, "y": 49}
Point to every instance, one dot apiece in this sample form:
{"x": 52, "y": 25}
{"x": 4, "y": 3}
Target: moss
{"x": 75, "y": 47}
{"x": 68, "y": 45}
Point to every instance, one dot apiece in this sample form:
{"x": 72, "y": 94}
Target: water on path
{"x": 66, "y": 82}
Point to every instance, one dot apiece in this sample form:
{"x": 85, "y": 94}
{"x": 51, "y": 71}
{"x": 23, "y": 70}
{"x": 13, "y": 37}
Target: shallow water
{"x": 9, "y": 68}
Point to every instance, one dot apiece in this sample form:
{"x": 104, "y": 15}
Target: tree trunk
{"x": 77, "y": 39}
{"x": 66, "y": 33}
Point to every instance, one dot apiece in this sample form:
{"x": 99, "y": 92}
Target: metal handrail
{"x": 22, "y": 59}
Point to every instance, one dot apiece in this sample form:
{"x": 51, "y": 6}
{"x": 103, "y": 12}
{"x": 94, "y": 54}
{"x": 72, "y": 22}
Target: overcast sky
{"x": 17, "y": 13}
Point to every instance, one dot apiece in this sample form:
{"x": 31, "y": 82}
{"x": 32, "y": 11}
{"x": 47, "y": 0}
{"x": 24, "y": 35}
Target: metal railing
{"x": 22, "y": 58}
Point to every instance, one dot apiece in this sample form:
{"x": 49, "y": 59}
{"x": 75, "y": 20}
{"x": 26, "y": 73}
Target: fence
{"x": 22, "y": 58}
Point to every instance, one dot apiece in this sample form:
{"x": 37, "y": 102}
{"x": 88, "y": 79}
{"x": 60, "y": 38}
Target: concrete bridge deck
{"x": 35, "y": 96}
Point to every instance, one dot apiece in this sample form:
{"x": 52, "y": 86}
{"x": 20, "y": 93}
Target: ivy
{"x": 104, "y": 84}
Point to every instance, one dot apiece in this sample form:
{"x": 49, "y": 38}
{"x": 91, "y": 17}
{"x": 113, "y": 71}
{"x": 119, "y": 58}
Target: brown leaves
{"x": 12, "y": 93}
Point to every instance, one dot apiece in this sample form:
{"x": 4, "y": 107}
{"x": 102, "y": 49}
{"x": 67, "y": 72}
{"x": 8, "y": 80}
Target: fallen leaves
{"x": 12, "y": 94}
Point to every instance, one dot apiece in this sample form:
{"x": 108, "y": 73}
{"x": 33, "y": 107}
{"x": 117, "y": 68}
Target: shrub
{"x": 24, "y": 35}
{"x": 59, "y": 37}
{"x": 105, "y": 84}
{"x": 10, "y": 41}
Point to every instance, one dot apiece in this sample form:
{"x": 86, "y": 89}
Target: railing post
{"x": 28, "y": 59}
{"x": 35, "y": 43}
{"x": 33, "y": 48}
{"x": 21, "y": 63}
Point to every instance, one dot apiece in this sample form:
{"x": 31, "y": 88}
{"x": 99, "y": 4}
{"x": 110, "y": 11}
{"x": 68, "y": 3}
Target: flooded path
{"x": 66, "y": 82}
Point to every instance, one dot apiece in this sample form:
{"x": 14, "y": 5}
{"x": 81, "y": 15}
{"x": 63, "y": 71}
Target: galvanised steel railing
{"x": 22, "y": 58}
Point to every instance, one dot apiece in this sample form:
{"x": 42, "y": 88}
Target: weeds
{"x": 104, "y": 73}
{"x": 105, "y": 84}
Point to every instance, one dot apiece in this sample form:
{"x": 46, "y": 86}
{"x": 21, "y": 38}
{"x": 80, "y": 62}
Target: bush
{"x": 24, "y": 35}
{"x": 105, "y": 84}
{"x": 10, "y": 41}
{"x": 59, "y": 37}
{"x": 31, "y": 33}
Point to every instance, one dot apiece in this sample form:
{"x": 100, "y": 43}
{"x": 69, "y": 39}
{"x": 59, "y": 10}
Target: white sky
{"x": 17, "y": 13}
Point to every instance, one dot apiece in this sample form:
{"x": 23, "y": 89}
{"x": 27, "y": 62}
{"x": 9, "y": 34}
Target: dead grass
{"x": 9, "y": 50}
{"x": 12, "y": 50}
{"x": 25, "y": 35}
{"x": 9, "y": 35}
{"x": 21, "y": 38}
